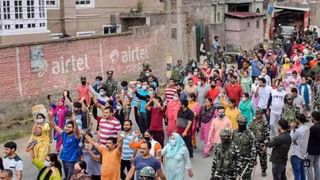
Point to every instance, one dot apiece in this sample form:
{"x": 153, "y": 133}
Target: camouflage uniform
{"x": 316, "y": 103}
{"x": 177, "y": 73}
{"x": 289, "y": 113}
{"x": 245, "y": 140}
{"x": 112, "y": 87}
{"x": 226, "y": 162}
{"x": 261, "y": 131}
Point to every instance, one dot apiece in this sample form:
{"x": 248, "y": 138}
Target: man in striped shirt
{"x": 170, "y": 91}
{"x": 127, "y": 153}
{"x": 109, "y": 126}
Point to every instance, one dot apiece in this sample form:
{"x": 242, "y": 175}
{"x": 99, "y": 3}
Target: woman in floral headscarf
{"x": 176, "y": 158}
{"x": 59, "y": 112}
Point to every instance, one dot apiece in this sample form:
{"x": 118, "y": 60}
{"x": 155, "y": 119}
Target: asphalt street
{"x": 201, "y": 166}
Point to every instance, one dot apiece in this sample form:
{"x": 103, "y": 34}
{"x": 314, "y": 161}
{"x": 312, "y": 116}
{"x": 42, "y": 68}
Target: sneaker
{"x": 263, "y": 174}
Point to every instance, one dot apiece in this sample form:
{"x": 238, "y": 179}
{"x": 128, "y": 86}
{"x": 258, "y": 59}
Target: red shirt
{"x": 83, "y": 91}
{"x": 234, "y": 91}
{"x": 195, "y": 80}
{"x": 170, "y": 92}
{"x": 213, "y": 93}
{"x": 156, "y": 119}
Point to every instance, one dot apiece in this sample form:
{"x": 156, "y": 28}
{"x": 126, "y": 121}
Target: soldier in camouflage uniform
{"x": 111, "y": 85}
{"x": 316, "y": 91}
{"x": 289, "y": 110}
{"x": 226, "y": 162}
{"x": 245, "y": 140}
{"x": 260, "y": 129}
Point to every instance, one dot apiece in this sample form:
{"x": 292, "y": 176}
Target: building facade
{"x": 38, "y": 20}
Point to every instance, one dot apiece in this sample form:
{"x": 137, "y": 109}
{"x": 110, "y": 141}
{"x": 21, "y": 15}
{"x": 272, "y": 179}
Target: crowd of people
{"x": 269, "y": 98}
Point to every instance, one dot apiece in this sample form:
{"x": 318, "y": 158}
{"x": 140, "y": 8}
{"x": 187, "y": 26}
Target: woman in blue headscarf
{"x": 176, "y": 158}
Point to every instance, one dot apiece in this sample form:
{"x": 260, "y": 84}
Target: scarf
{"x": 172, "y": 151}
{"x": 305, "y": 94}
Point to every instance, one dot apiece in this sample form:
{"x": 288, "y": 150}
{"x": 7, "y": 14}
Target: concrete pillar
{"x": 314, "y": 13}
{"x": 68, "y": 14}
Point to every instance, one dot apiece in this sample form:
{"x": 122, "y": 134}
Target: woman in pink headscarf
{"x": 297, "y": 66}
{"x": 59, "y": 112}
{"x": 172, "y": 110}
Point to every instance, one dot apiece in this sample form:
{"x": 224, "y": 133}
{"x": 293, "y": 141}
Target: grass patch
{"x": 15, "y": 130}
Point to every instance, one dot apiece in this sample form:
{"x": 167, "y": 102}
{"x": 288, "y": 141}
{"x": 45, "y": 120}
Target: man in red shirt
{"x": 170, "y": 90}
{"x": 214, "y": 91}
{"x": 83, "y": 91}
{"x": 234, "y": 90}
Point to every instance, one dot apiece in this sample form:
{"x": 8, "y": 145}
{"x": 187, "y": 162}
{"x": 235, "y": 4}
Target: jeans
{"x": 125, "y": 164}
{"x": 68, "y": 169}
{"x": 143, "y": 121}
{"x": 188, "y": 142}
{"x": 279, "y": 171}
{"x": 298, "y": 168}
{"x": 137, "y": 117}
{"x": 314, "y": 169}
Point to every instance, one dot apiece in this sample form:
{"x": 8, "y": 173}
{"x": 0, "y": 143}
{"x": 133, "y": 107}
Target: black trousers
{"x": 95, "y": 177}
{"x": 188, "y": 142}
{"x": 125, "y": 164}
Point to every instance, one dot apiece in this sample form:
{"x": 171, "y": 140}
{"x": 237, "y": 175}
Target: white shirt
{"x": 264, "y": 95}
{"x": 300, "y": 139}
{"x": 299, "y": 102}
{"x": 277, "y": 102}
{"x": 14, "y": 164}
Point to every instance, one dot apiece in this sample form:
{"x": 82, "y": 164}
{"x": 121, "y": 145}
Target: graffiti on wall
{"x": 66, "y": 65}
{"x": 131, "y": 59}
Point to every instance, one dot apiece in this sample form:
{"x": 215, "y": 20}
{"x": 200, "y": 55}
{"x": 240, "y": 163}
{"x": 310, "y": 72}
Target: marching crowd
{"x": 268, "y": 99}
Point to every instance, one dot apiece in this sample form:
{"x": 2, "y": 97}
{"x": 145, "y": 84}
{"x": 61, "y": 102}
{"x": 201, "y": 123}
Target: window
{"x": 18, "y": 9}
{"x": 52, "y": 3}
{"x": 33, "y": 25}
{"x": 110, "y": 29}
{"x": 23, "y": 16}
{"x": 30, "y": 9}
{"x": 85, "y": 3}
{"x": 85, "y": 34}
{"x": 42, "y": 9}
{"x": 218, "y": 17}
{"x": 6, "y": 10}
{"x": 258, "y": 24}
{"x": 19, "y": 26}
{"x": 174, "y": 33}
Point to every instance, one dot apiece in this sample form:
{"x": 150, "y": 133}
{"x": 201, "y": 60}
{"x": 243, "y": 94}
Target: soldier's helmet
{"x": 147, "y": 172}
{"x": 242, "y": 120}
{"x": 226, "y": 132}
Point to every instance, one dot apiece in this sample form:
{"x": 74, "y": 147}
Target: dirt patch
{"x": 15, "y": 129}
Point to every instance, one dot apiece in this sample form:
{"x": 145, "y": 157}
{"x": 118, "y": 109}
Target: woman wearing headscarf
{"x": 40, "y": 138}
{"x": 205, "y": 117}
{"x": 59, "y": 112}
{"x": 176, "y": 158}
{"x": 172, "y": 110}
{"x": 247, "y": 108}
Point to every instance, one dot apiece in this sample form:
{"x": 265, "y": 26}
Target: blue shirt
{"x": 255, "y": 68}
{"x": 143, "y": 102}
{"x": 140, "y": 163}
{"x": 71, "y": 150}
{"x": 127, "y": 152}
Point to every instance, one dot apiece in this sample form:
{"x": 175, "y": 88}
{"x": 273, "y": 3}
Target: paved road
{"x": 201, "y": 166}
